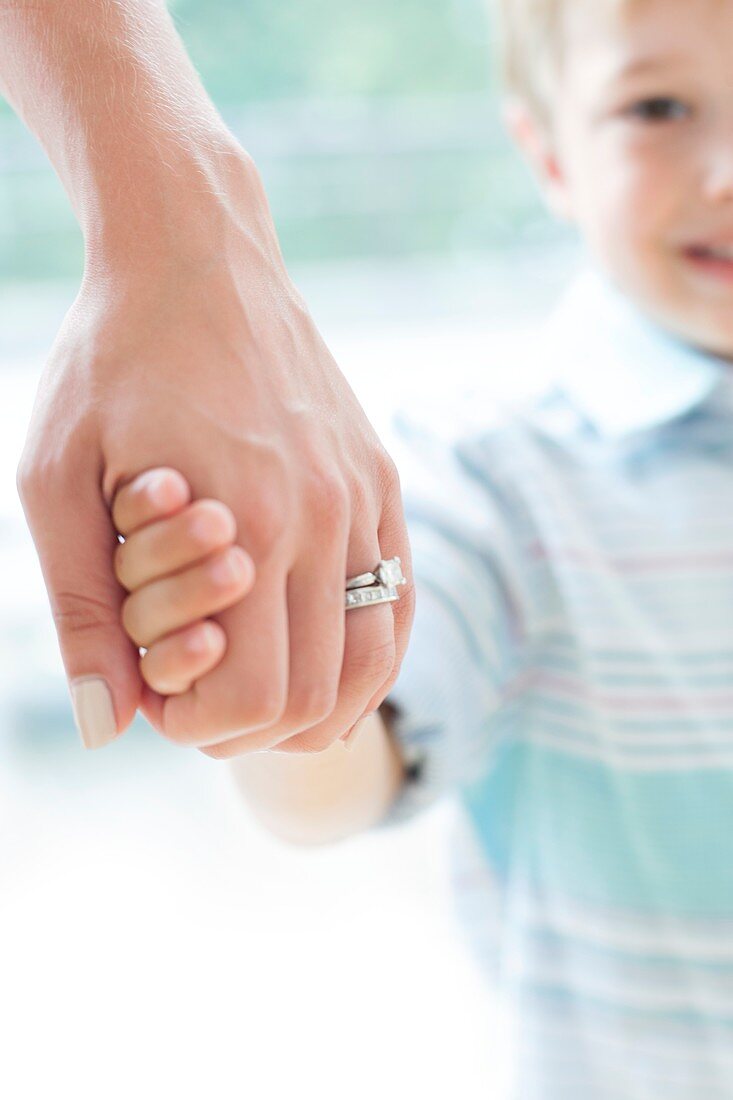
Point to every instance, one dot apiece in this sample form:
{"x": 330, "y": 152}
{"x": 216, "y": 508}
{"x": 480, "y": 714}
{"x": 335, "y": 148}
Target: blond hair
{"x": 530, "y": 47}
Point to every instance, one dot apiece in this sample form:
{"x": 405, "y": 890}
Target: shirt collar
{"x": 623, "y": 372}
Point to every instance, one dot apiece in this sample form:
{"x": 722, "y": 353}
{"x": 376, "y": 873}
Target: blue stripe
{"x": 591, "y": 953}
{"x": 649, "y": 842}
{"x": 553, "y": 996}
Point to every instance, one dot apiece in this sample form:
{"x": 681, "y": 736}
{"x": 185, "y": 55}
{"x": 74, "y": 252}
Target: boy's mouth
{"x": 714, "y": 260}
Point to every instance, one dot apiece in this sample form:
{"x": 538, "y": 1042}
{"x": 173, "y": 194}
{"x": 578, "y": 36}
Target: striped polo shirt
{"x": 569, "y": 680}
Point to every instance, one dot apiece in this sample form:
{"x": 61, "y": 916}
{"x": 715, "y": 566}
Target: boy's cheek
{"x": 625, "y": 216}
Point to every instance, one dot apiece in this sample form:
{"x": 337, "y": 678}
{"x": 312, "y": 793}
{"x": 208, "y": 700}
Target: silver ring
{"x": 361, "y": 581}
{"x": 377, "y": 587}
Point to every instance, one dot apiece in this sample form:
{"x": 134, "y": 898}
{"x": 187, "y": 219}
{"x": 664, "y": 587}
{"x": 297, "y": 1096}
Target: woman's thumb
{"x": 75, "y": 540}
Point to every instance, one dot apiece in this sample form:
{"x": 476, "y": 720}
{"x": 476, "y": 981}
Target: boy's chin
{"x": 707, "y": 328}
{"x": 707, "y": 336}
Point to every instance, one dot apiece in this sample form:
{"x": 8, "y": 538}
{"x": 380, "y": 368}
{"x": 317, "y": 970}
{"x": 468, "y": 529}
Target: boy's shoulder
{"x": 481, "y": 401}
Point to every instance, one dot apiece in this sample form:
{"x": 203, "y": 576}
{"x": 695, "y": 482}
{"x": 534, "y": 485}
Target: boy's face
{"x": 642, "y": 155}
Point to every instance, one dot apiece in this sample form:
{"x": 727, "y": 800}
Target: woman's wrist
{"x": 112, "y": 96}
{"x": 181, "y": 205}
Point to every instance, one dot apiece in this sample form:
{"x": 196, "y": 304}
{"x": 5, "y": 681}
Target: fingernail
{"x": 355, "y": 731}
{"x": 205, "y": 638}
{"x": 231, "y": 567}
{"x": 157, "y": 488}
{"x": 93, "y": 711}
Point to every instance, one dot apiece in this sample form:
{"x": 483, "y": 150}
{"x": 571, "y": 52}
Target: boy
{"x": 570, "y": 667}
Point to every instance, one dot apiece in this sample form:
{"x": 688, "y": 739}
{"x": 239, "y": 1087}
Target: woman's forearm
{"x": 111, "y": 94}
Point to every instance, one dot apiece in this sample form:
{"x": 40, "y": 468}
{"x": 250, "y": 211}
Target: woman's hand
{"x": 179, "y": 565}
{"x": 209, "y": 363}
{"x": 189, "y": 347}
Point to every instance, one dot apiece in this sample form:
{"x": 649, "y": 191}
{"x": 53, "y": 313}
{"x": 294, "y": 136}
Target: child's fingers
{"x": 171, "y": 543}
{"x": 151, "y": 495}
{"x": 166, "y": 605}
{"x": 171, "y": 665}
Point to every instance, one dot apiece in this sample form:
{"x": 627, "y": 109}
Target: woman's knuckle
{"x": 33, "y": 477}
{"x": 268, "y": 522}
{"x": 23, "y": 478}
{"x": 266, "y": 711}
{"x": 327, "y": 495}
{"x": 311, "y": 705}
{"x": 74, "y": 613}
{"x": 389, "y": 475}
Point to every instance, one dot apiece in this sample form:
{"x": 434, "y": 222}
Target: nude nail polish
{"x": 93, "y": 711}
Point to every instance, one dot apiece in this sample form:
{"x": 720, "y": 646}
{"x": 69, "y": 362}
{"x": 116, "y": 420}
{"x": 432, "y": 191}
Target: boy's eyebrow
{"x": 640, "y": 65}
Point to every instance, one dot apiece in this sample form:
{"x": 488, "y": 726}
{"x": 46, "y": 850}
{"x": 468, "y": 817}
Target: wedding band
{"x": 377, "y": 587}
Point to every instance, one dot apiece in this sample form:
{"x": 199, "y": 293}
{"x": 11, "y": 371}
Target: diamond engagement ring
{"x": 377, "y": 587}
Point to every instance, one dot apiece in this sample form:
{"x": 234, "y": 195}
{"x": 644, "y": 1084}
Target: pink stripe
{"x": 575, "y": 688}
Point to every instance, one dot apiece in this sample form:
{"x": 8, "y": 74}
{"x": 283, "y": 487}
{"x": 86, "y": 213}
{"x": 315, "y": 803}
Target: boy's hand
{"x": 179, "y": 564}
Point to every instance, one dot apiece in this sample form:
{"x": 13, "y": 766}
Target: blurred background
{"x": 154, "y": 940}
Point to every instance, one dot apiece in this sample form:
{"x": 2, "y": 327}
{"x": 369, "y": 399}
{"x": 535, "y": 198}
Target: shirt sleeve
{"x": 465, "y": 647}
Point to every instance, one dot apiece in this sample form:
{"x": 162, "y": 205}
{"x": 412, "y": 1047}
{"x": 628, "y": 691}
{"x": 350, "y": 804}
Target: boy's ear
{"x": 534, "y": 141}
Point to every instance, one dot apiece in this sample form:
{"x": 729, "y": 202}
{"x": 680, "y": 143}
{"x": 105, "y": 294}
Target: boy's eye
{"x": 658, "y": 109}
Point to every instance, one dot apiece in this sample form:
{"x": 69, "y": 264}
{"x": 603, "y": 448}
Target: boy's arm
{"x": 318, "y": 798}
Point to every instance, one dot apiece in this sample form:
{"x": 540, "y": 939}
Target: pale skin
{"x": 189, "y": 346}
{"x": 180, "y": 565}
{"x": 639, "y": 155}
